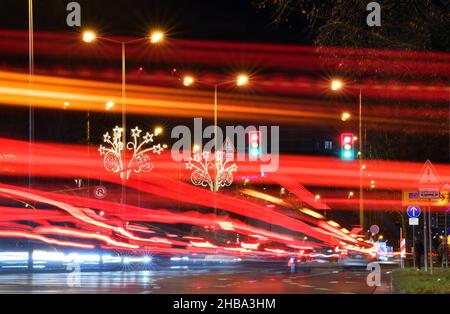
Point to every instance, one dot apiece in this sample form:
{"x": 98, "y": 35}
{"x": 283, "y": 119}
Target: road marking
{"x": 307, "y": 286}
{"x": 323, "y": 289}
{"x": 333, "y": 282}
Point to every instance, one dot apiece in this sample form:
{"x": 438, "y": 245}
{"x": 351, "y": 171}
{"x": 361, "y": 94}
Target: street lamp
{"x": 158, "y": 130}
{"x": 345, "y": 116}
{"x": 337, "y": 85}
{"x": 188, "y": 80}
{"x": 89, "y": 36}
{"x": 154, "y": 37}
{"x": 200, "y": 163}
{"x": 242, "y": 80}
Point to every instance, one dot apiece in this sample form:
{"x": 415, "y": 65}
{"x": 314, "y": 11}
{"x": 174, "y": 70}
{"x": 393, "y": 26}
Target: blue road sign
{"x": 374, "y": 229}
{"x": 413, "y": 211}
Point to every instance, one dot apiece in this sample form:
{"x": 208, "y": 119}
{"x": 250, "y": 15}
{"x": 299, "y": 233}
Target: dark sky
{"x": 194, "y": 19}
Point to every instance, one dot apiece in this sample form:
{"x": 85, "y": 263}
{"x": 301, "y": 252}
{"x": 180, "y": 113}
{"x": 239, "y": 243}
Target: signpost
{"x": 429, "y": 188}
{"x": 413, "y": 214}
{"x": 411, "y": 197}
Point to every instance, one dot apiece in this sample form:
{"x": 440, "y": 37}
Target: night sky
{"x": 236, "y": 20}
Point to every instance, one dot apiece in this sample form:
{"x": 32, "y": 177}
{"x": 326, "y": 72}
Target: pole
{"x": 401, "y": 251}
{"x": 30, "y": 111}
{"x": 215, "y": 137}
{"x": 430, "y": 248}
{"x": 361, "y": 197}
{"x": 215, "y": 187}
{"x": 414, "y": 246}
{"x": 425, "y": 245}
{"x": 446, "y": 241}
{"x": 124, "y": 123}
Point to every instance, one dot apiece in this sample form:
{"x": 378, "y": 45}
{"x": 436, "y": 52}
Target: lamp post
{"x": 30, "y": 110}
{"x": 155, "y": 37}
{"x": 220, "y": 159}
{"x": 337, "y": 85}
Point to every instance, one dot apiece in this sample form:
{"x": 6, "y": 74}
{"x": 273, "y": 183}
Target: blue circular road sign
{"x": 374, "y": 229}
{"x": 413, "y": 211}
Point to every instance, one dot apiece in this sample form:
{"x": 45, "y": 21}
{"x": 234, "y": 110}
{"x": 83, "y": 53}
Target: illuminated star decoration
{"x": 140, "y": 161}
{"x": 203, "y": 164}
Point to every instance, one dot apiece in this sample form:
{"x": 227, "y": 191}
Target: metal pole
{"x": 215, "y": 142}
{"x": 425, "y": 244}
{"x": 361, "y": 197}
{"x": 446, "y": 241}
{"x": 30, "y": 111}
{"x": 124, "y": 123}
{"x": 429, "y": 236}
{"x": 216, "y": 187}
{"x": 414, "y": 246}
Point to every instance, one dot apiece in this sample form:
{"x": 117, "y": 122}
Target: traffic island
{"x": 412, "y": 281}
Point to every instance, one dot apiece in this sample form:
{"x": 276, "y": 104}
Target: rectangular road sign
{"x": 429, "y": 194}
{"x": 413, "y": 221}
{"x": 411, "y": 198}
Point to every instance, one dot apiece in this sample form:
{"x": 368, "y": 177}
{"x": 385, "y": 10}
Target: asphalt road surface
{"x": 201, "y": 281}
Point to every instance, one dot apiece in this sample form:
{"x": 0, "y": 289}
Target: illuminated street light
{"x": 89, "y": 36}
{"x": 109, "y": 105}
{"x": 195, "y": 148}
{"x": 158, "y": 131}
{"x": 336, "y": 85}
{"x": 242, "y": 80}
{"x": 202, "y": 162}
{"x": 350, "y": 194}
{"x": 188, "y": 80}
{"x": 156, "y": 37}
{"x": 317, "y": 198}
{"x": 345, "y": 116}
{"x": 66, "y": 104}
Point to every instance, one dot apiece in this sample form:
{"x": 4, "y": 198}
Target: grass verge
{"x": 419, "y": 282}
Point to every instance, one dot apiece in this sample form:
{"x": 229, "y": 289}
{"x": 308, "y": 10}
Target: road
{"x": 201, "y": 281}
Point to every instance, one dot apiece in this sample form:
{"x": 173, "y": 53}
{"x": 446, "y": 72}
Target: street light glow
{"x": 336, "y": 85}
{"x": 188, "y": 80}
{"x": 158, "y": 131}
{"x": 156, "y": 37}
{"x": 242, "y": 80}
{"x": 109, "y": 105}
{"x": 89, "y": 36}
{"x": 345, "y": 116}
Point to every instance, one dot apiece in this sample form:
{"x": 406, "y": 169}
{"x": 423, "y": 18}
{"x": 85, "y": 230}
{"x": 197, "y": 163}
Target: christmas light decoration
{"x": 114, "y": 156}
{"x": 203, "y": 164}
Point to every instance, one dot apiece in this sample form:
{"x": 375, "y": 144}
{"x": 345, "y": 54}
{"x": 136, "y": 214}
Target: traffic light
{"x": 254, "y": 140}
{"x": 347, "y": 146}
